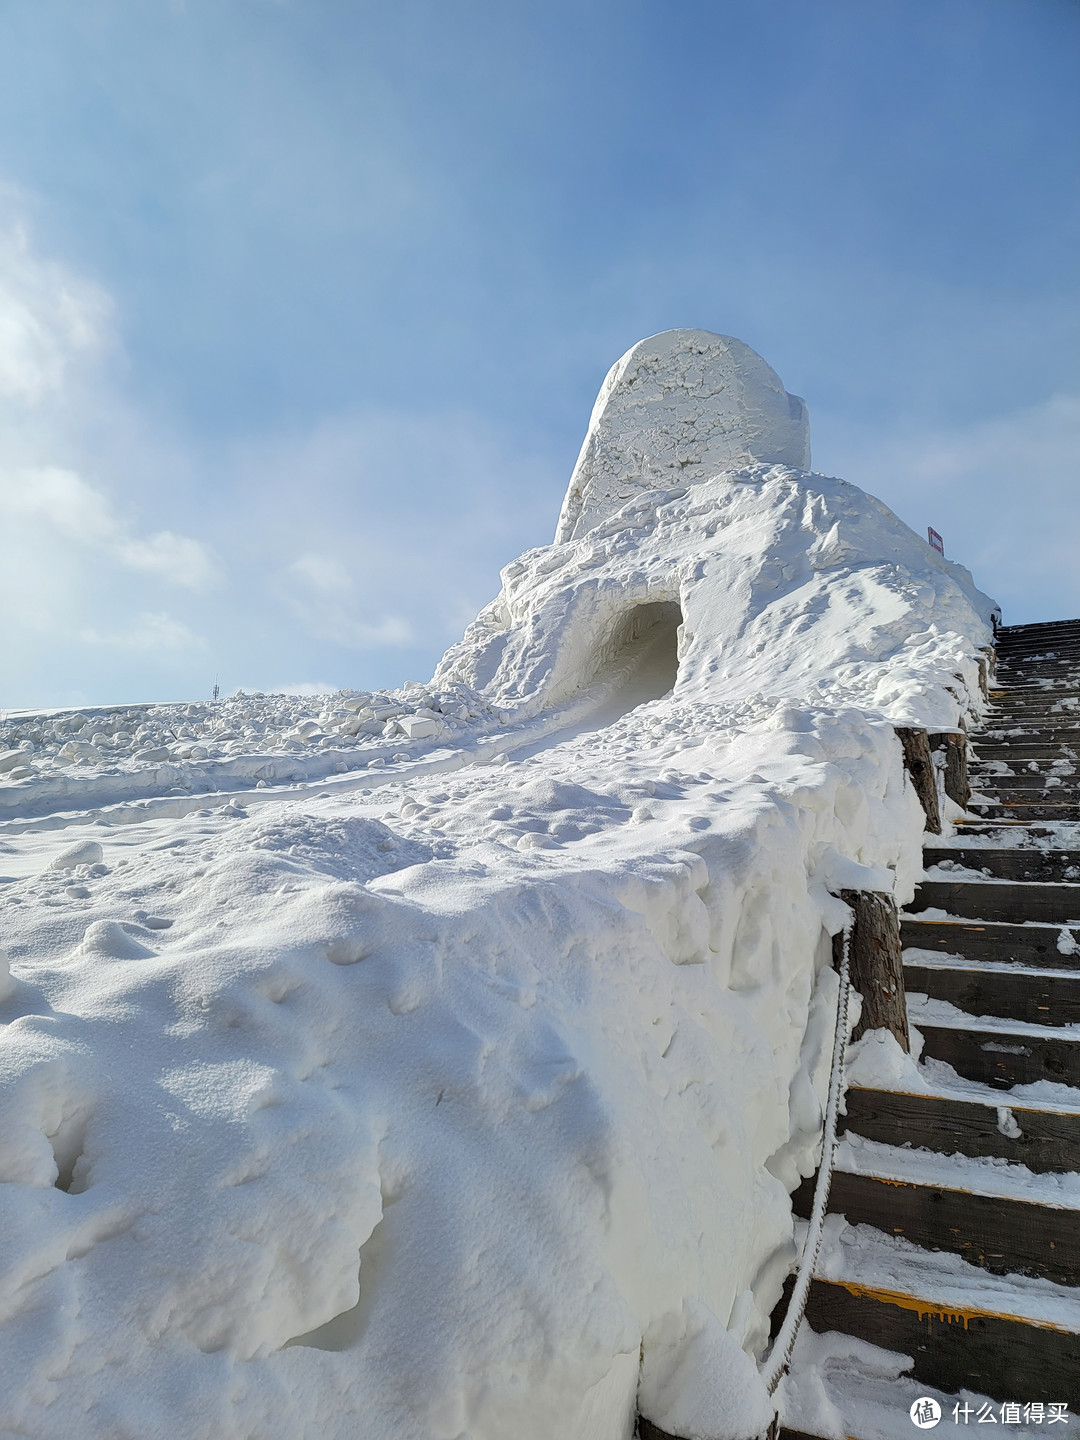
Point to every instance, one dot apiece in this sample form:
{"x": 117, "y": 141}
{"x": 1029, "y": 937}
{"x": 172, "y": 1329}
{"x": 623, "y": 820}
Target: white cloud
{"x": 175, "y": 558}
{"x": 363, "y": 533}
{"x": 50, "y": 318}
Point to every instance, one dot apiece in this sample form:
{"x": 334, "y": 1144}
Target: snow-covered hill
{"x": 437, "y": 1063}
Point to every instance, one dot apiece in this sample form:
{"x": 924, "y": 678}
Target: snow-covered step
{"x": 1041, "y": 1139}
{"x": 1024, "y": 810}
{"x": 995, "y": 746}
{"x": 1023, "y": 835}
{"x": 1033, "y": 699}
{"x": 1049, "y": 902}
{"x": 961, "y": 1330}
{"x": 1011, "y": 864}
{"x": 1002, "y": 1055}
{"x": 1051, "y": 776}
{"x": 1026, "y": 789}
{"x": 1057, "y": 681}
{"x": 1005, "y": 1236}
{"x": 1027, "y": 739}
{"x": 1026, "y": 690}
{"x": 1015, "y": 992}
{"x": 1041, "y": 945}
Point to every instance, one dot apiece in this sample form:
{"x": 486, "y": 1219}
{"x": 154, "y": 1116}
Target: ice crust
{"x": 449, "y": 1078}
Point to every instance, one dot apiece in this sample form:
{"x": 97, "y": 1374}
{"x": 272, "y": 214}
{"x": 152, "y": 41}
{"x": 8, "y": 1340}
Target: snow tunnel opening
{"x": 644, "y": 644}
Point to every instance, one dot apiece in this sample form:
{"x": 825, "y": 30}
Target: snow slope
{"x": 448, "y": 1078}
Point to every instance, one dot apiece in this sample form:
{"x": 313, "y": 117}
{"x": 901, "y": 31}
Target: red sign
{"x": 936, "y": 542}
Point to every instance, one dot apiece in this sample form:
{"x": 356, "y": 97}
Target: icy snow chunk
{"x": 10, "y": 758}
{"x": 1007, "y": 1124}
{"x": 110, "y": 940}
{"x": 7, "y": 981}
{"x": 419, "y": 727}
{"x": 86, "y": 852}
{"x": 681, "y": 406}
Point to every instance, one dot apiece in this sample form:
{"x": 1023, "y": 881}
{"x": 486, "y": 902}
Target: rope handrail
{"x": 779, "y": 1357}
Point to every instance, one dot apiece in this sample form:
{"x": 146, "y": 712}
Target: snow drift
{"x": 469, "y": 1105}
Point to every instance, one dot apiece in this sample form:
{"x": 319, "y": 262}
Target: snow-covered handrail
{"x": 780, "y": 1354}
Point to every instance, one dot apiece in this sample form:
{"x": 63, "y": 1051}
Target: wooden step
{"x": 1009, "y": 864}
{"x": 1008, "y": 832}
{"x": 1034, "y": 691}
{"x": 1002, "y": 1058}
{"x": 1035, "y": 945}
{"x": 1044, "y": 712}
{"x": 1003, "y": 1356}
{"x": 1005, "y": 793}
{"x": 1047, "y": 675}
{"x": 1007, "y": 900}
{"x": 992, "y": 1232}
{"x": 1049, "y": 1139}
{"x": 1015, "y": 810}
{"x": 1048, "y": 784}
{"x": 1020, "y": 752}
{"x": 1029, "y": 697}
{"x": 1019, "y": 737}
{"x": 1032, "y": 630}
{"x": 1036, "y": 648}
{"x": 1032, "y": 996}
{"x": 1055, "y": 787}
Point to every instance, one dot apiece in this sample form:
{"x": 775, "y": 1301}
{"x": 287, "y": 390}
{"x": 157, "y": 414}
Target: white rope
{"x": 780, "y": 1354}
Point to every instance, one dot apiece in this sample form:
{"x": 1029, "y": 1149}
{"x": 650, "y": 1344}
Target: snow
{"x": 681, "y": 406}
{"x": 446, "y": 1056}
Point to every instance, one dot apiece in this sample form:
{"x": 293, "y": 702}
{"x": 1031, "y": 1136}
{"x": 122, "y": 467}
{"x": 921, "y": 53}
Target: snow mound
{"x": 464, "y": 1095}
{"x": 766, "y": 580}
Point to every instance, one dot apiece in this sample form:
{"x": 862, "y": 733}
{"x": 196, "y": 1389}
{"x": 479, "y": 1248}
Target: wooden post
{"x": 954, "y": 744}
{"x": 919, "y": 764}
{"x": 984, "y": 676}
{"x": 646, "y": 1430}
{"x": 877, "y": 969}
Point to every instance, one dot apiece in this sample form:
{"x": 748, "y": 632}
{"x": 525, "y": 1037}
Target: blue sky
{"x": 304, "y": 303}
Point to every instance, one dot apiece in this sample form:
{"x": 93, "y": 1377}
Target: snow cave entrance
{"x": 643, "y": 646}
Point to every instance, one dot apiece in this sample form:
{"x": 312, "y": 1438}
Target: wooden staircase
{"x": 965, "y": 1194}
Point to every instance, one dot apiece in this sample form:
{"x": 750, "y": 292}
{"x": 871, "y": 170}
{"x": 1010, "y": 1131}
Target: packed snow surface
{"x": 438, "y": 1063}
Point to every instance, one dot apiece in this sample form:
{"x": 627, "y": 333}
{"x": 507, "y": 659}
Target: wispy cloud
{"x": 84, "y": 581}
{"x": 150, "y": 633}
{"x": 49, "y": 503}
{"x": 325, "y": 597}
{"x": 1003, "y": 492}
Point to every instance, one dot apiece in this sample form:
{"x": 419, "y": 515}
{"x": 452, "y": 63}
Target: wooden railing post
{"x": 954, "y": 744}
{"x": 877, "y": 969}
{"x": 919, "y": 764}
{"x": 990, "y": 655}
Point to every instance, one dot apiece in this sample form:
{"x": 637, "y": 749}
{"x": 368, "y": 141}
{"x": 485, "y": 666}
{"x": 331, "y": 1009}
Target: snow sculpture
{"x": 678, "y": 407}
{"x": 691, "y": 505}
{"x": 596, "y": 925}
